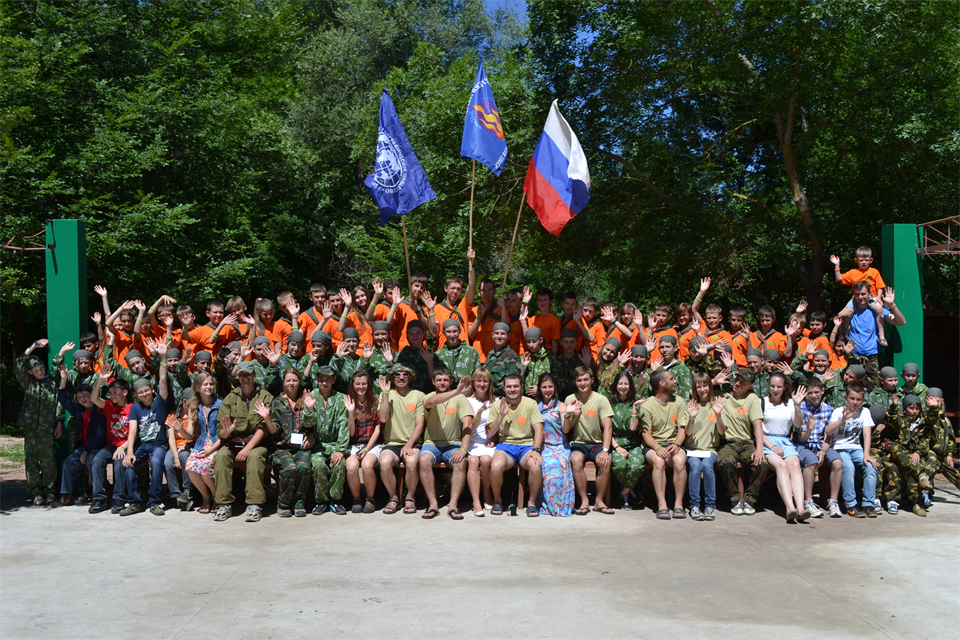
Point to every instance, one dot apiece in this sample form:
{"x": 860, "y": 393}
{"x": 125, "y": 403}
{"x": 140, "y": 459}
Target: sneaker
{"x": 695, "y": 513}
{"x": 117, "y": 508}
{"x": 893, "y": 508}
{"x": 737, "y": 509}
{"x": 920, "y": 511}
{"x": 83, "y": 498}
{"x": 51, "y": 498}
{"x": 811, "y": 506}
{"x": 284, "y": 511}
{"x": 156, "y": 510}
{"x": 185, "y": 501}
{"x": 223, "y": 512}
{"x": 319, "y": 509}
{"x": 709, "y": 513}
{"x": 357, "y": 506}
{"x": 97, "y": 506}
{"x": 38, "y": 501}
{"x": 876, "y": 503}
{"x": 130, "y": 510}
{"x": 62, "y": 501}
{"x": 299, "y": 510}
{"x": 748, "y": 509}
{"x": 927, "y": 502}
{"x": 833, "y": 507}
{"x": 253, "y": 513}
{"x": 856, "y": 512}
{"x": 924, "y": 481}
{"x": 337, "y": 508}
{"x": 872, "y": 511}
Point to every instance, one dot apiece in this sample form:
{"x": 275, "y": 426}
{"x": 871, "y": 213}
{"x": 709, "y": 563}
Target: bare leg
{"x": 353, "y": 476}
{"x": 659, "y": 476}
{"x": 796, "y": 481}
{"x": 427, "y": 480}
{"x": 456, "y": 483}
{"x": 580, "y": 479}
{"x": 368, "y": 464}
{"x": 485, "y": 462}
{"x": 412, "y": 476}
{"x": 603, "y": 480}
{"x": 501, "y": 462}
{"x": 808, "y": 473}
{"x": 679, "y": 462}
{"x": 534, "y": 479}
{"x": 388, "y": 461}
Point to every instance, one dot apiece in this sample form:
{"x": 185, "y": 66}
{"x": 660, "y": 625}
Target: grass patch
{"x": 11, "y": 453}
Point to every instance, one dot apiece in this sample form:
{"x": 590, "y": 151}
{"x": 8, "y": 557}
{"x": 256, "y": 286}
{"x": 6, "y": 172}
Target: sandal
{"x": 409, "y": 506}
{"x": 663, "y": 514}
{"x": 606, "y": 510}
{"x": 454, "y": 514}
{"x": 369, "y": 506}
{"x": 582, "y": 511}
{"x": 357, "y": 507}
{"x": 496, "y": 509}
{"x": 429, "y": 514}
{"x": 207, "y": 505}
{"x": 392, "y": 505}
{"x": 679, "y": 514}
{"x": 532, "y": 512}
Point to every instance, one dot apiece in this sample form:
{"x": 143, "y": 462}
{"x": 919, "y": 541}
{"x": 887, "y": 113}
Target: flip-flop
{"x": 679, "y": 514}
{"x": 430, "y": 514}
{"x": 663, "y": 514}
{"x": 409, "y": 506}
{"x": 454, "y": 514}
{"x": 389, "y": 510}
{"x": 532, "y": 512}
{"x": 496, "y": 509}
{"x": 582, "y": 511}
{"x": 607, "y": 510}
{"x": 479, "y": 514}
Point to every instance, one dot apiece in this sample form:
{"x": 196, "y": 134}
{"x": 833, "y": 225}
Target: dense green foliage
{"x": 217, "y": 147}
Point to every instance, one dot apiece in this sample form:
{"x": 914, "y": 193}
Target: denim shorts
{"x": 515, "y": 451}
{"x": 440, "y": 454}
{"x": 831, "y": 453}
{"x": 789, "y": 449}
{"x": 588, "y": 451}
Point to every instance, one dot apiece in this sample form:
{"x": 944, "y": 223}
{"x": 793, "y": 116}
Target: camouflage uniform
{"x": 544, "y": 361}
{"x": 409, "y": 356}
{"x": 878, "y": 396}
{"x": 710, "y": 366}
{"x": 944, "y": 444}
{"x": 39, "y": 416}
{"x": 917, "y": 440}
{"x": 683, "y": 377}
{"x": 889, "y": 484}
{"x": 500, "y": 364}
{"x": 566, "y": 379}
{"x": 627, "y": 470}
{"x": 267, "y": 376}
{"x": 641, "y": 381}
{"x": 292, "y": 463}
{"x": 919, "y": 390}
{"x": 330, "y": 418}
{"x": 835, "y": 392}
{"x": 119, "y": 371}
{"x": 462, "y": 360}
{"x": 605, "y": 374}
{"x": 74, "y": 377}
{"x": 225, "y": 382}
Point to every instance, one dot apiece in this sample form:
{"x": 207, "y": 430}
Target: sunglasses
{"x": 401, "y": 374}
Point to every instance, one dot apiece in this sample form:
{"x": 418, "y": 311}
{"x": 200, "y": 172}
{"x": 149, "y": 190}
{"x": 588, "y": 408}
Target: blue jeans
{"x": 99, "y": 472}
{"x": 173, "y": 483}
{"x": 849, "y": 458}
{"x": 706, "y": 466}
{"x": 70, "y": 466}
{"x": 152, "y": 453}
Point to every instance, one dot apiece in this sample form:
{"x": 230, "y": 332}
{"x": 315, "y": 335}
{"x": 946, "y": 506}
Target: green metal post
{"x": 902, "y": 270}
{"x": 66, "y": 283}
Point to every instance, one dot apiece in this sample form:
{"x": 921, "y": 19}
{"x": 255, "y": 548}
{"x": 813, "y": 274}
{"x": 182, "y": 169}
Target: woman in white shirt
{"x": 481, "y": 447}
{"x": 781, "y": 414}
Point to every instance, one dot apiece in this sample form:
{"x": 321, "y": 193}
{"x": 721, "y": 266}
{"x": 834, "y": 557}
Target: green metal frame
{"x": 66, "y": 283}
{"x": 902, "y": 270}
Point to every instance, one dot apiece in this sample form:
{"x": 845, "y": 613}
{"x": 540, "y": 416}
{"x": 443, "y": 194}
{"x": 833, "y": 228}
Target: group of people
{"x": 367, "y": 383}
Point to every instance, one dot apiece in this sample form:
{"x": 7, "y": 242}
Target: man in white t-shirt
{"x": 847, "y": 424}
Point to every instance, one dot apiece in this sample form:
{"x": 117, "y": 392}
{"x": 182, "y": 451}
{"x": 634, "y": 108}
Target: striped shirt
{"x": 821, "y": 416}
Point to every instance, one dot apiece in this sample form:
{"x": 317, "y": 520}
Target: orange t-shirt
{"x": 871, "y": 275}
{"x": 401, "y": 317}
{"x": 549, "y": 326}
{"x": 516, "y": 338}
{"x": 458, "y": 312}
{"x": 484, "y": 340}
{"x": 331, "y": 326}
{"x": 657, "y": 334}
{"x": 600, "y": 333}
{"x": 308, "y": 321}
{"x": 822, "y": 342}
{"x": 630, "y": 341}
{"x": 684, "y": 338}
{"x": 775, "y": 340}
{"x": 172, "y": 419}
{"x": 739, "y": 343}
{"x": 364, "y": 328}
{"x": 278, "y": 331}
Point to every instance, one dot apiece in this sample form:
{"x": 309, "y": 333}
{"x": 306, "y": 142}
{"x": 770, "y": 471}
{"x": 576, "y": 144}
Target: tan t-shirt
{"x": 705, "y": 436}
{"x": 596, "y": 408}
{"x": 517, "y": 425}
{"x": 404, "y": 411}
{"x": 738, "y": 416}
{"x": 444, "y": 424}
{"x": 663, "y": 420}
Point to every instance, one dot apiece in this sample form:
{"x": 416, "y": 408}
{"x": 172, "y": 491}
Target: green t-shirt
{"x": 517, "y": 426}
{"x": 738, "y": 416}
{"x": 663, "y": 420}
{"x": 444, "y": 424}
{"x": 404, "y": 411}
{"x": 705, "y": 436}
{"x": 596, "y": 408}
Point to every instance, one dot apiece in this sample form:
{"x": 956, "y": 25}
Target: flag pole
{"x": 473, "y": 183}
{"x": 406, "y": 253}
{"x": 512, "y": 240}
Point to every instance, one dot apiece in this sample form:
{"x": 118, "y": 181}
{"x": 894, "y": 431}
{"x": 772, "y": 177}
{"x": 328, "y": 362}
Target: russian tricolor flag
{"x": 558, "y": 180}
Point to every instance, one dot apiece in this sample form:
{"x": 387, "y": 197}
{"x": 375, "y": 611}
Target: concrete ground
{"x": 65, "y": 574}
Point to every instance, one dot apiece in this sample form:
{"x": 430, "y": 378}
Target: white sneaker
{"x": 834, "y": 508}
{"x": 223, "y": 513}
{"x": 815, "y": 511}
{"x": 893, "y": 508}
{"x": 253, "y": 513}
{"x": 737, "y": 509}
{"x": 748, "y": 509}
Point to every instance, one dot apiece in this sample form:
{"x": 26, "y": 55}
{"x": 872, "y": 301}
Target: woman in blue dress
{"x": 557, "y": 494}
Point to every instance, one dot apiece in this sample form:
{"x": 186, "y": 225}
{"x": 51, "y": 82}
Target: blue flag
{"x": 398, "y": 183}
{"x": 483, "y": 137}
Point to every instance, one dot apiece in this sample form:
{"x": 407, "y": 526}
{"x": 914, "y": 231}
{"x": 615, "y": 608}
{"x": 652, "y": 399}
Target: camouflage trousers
{"x": 889, "y": 485}
{"x": 872, "y": 365}
{"x": 294, "y": 469}
{"x": 911, "y": 472}
{"x": 628, "y": 470}
{"x": 952, "y": 475}
{"x": 328, "y": 478}
{"x": 740, "y": 451}
{"x": 40, "y": 460}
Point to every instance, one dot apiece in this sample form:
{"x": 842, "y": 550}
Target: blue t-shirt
{"x": 863, "y": 332}
{"x": 150, "y": 420}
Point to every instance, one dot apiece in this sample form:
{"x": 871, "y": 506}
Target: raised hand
{"x": 150, "y": 343}
{"x": 578, "y": 313}
{"x": 655, "y": 364}
{"x": 349, "y": 403}
{"x": 262, "y": 410}
{"x": 802, "y": 306}
{"x": 429, "y": 300}
{"x": 527, "y": 295}
{"x": 607, "y": 315}
{"x": 722, "y": 378}
{"x": 888, "y": 296}
{"x": 849, "y": 346}
{"x": 638, "y": 318}
{"x": 347, "y": 298}
{"x": 395, "y": 292}
{"x": 586, "y": 356}
{"x": 273, "y": 357}
{"x": 693, "y": 408}
{"x": 471, "y": 256}
{"x": 829, "y": 374}
{"x": 726, "y": 359}
{"x": 793, "y": 329}
{"x": 367, "y": 350}
{"x": 64, "y": 374}
{"x": 327, "y": 311}
{"x": 718, "y": 404}
{"x": 701, "y": 349}
{"x": 623, "y": 358}
{"x": 96, "y": 317}
{"x": 524, "y": 313}
{"x": 67, "y": 347}
{"x": 835, "y": 260}
{"x": 464, "y": 385}
{"x": 168, "y": 322}
{"x": 246, "y": 348}
{"x": 140, "y": 305}
{"x": 575, "y": 408}
{"x": 100, "y": 290}
{"x": 652, "y": 321}
{"x": 384, "y": 383}
{"x": 387, "y": 351}
{"x": 526, "y": 359}
{"x": 800, "y": 394}
{"x": 187, "y": 355}
{"x": 705, "y": 284}
{"x": 342, "y": 349}
{"x": 695, "y": 323}
{"x": 128, "y": 305}
{"x": 426, "y": 354}
{"x": 785, "y": 368}
{"x": 293, "y": 308}
{"x": 309, "y": 401}
{"x": 377, "y": 286}
{"x": 162, "y": 349}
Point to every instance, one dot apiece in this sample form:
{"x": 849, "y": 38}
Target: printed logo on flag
{"x": 390, "y": 170}
{"x": 488, "y": 118}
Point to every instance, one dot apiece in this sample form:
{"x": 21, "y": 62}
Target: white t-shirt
{"x": 479, "y": 437}
{"x": 777, "y": 419}
{"x": 848, "y": 435}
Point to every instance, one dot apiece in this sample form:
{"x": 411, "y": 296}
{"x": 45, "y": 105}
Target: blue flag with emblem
{"x": 398, "y": 183}
{"x": 483, "y": 137}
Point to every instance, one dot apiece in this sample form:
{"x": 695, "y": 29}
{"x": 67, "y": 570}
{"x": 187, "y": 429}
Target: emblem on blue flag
{"x": 483, "y": 136}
